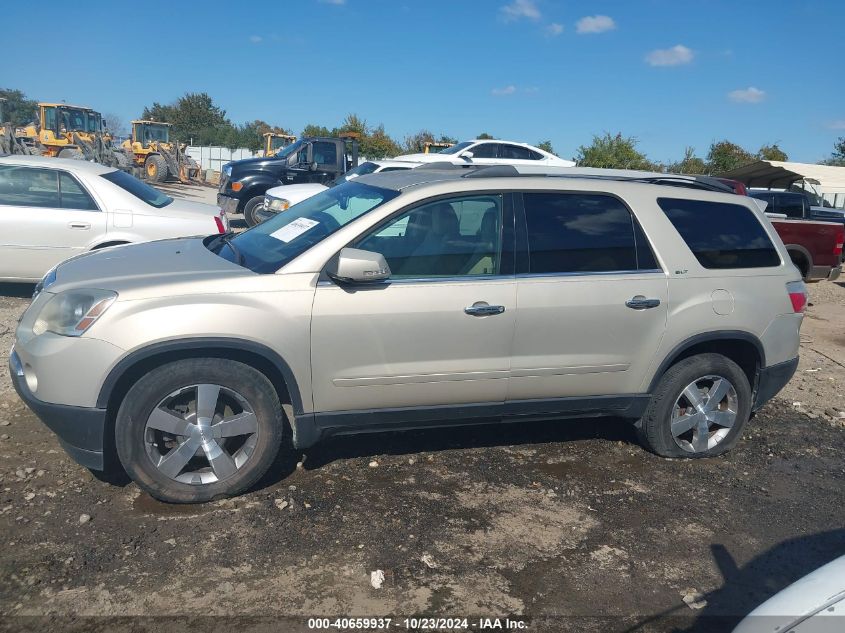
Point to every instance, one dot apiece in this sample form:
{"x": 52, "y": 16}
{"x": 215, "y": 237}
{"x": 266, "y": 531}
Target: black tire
{"x": 132, "y": 437}
{"x": 655, "y": 427}
{"x": 250, "y": 209}
{"x": 121, "y": 160}
{"x": 71, "y": 153}
{"x": 155, "y": 168}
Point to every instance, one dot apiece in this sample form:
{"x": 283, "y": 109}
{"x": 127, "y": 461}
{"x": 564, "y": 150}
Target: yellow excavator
{"x": 67, "y": 131}
{"x": 432, "y": 147}
{"x": 159, "y": 157}
{"x": 273, "y": 142}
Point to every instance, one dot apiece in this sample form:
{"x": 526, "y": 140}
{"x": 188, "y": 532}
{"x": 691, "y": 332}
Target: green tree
{"x": 18, "y": 109}
{"x": 772, "y": 152}
{"x": 486, "y": 136}
{"x": 690, "y": 164}
{"x": 613, "y": 151}
{"x": 415, "y": 143}
{"x": 546, "y": 146}
{"x": 838, "y": 156}
{"x": 195, "y": 118}
{"x": 315, "y": 130}
{"x": 725, "y": 156}
{"x": 377, "y": 144}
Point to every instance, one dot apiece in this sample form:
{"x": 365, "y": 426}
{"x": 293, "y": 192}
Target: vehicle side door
{"x": 793, "y": 205}
{"x": 438, "y": 332}
{"x": 484, "y": 154}
{"x": 592, "y": 300}
{"x": 46, "y": 216}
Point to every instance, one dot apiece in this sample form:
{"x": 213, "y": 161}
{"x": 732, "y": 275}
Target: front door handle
{"x": 481, "y": 308}
{"x": 641, "y": 303}
{"x": 79, "y": 225}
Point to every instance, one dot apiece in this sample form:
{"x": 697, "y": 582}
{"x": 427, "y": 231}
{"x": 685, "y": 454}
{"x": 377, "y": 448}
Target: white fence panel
{"x": 212, "y": 157}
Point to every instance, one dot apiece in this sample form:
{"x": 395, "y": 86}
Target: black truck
{"x": 319, "y": 160}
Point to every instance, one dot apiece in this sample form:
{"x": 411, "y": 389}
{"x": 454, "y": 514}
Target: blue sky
{"x": 671, "y": 73}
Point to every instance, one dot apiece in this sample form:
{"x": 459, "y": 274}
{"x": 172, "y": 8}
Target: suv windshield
{"x": 272, "y": 244}
{"x": 140, "y": 190}
{"x": 455, "y": 148}
{"x": 290, "y": 149}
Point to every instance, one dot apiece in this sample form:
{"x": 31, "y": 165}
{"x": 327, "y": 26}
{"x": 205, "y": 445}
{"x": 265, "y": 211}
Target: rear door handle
{"x": 79, "y": 225}
{"x": 480, "y": 308}
{"x": 641, "y": 303}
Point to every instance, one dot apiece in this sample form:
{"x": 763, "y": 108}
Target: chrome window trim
{"x": 494, "y": 278}
{"x": 597, "y": 273}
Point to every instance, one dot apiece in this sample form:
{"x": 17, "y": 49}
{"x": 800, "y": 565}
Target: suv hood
{"x": 163, "y": 267}
{"x": 260, "y": 163}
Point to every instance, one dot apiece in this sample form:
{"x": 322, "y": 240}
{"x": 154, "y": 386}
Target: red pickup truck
{"x": 815, "y": 247}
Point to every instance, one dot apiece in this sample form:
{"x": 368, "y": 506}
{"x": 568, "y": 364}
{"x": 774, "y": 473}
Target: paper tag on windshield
{"x": 294, "y": 229}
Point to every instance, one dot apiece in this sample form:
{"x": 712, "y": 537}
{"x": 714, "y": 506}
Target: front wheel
{"x": 699, "y": 408}
{"x": 199, "y": 429}
{"x": 155, "y": 168}
{"x": 251, "y": 208}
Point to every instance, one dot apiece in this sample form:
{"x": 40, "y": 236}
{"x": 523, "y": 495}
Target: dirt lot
{"x": 570, "y": 523}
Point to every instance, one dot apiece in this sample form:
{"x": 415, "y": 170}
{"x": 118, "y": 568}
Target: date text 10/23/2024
{"x": 418, "y": 624}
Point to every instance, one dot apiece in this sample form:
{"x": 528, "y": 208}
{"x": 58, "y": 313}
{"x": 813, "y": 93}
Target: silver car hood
{"x": 164, "y": 265}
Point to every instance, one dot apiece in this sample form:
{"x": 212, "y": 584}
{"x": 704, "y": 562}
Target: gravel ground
{"x": 570, "y": 523}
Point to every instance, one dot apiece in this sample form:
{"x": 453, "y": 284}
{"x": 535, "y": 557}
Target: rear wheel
{"x": 155, "y": 168}
{"x": 199, "y": 429}
{"x": 251, "y": 208}
{"x": 699, "y": 408}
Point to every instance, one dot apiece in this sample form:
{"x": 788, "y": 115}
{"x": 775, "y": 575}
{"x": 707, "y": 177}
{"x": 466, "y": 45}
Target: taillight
{"x": 221, "y": 228}
{"x": 797, "y": 295}
{"x": 837, "y": 249}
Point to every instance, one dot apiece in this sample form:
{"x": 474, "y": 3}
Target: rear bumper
{"x": 80, "y": 429}
{"x": 834, "y": 273}
{"x": 228, "y": 204}
{"x": 772, "y": 379}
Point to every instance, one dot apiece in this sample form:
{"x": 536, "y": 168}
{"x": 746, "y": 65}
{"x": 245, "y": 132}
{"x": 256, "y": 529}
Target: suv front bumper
{"x": 80, "y": 429}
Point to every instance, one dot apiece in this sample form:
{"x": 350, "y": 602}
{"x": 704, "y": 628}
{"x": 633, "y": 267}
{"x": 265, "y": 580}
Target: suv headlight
{"x": 72, "y": 312}
{"x": 277, "y": 204}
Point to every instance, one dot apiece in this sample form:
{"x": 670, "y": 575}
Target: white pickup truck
{"x": 282, "y": 198}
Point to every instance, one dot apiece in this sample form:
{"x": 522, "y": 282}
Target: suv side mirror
{"x": 467, "y": 155}
{"x": 354, "y": 265}
{"x": 312, "y": 166}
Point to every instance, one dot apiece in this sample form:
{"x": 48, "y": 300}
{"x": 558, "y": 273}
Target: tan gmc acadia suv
{"x": 410, "y": 299}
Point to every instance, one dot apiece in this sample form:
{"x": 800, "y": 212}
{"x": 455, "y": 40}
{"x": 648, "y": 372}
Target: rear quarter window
{"x": 721, "y": 235}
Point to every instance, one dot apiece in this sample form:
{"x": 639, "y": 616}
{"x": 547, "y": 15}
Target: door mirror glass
{"x": 354, "y": 265}
{"x": 467, "y": 155}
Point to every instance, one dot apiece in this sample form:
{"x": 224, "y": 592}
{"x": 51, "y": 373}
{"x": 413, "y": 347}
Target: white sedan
{"x": 52, "y": 209}
{"x": 491, "y": 152}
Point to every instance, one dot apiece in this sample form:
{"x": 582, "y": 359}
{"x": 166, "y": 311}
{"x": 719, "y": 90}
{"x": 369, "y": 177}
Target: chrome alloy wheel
{"x": 704, "y": 413}
{"x": 201, "y": 434}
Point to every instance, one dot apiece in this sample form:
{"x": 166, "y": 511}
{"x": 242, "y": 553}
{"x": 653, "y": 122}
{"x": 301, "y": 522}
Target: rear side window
{"x": 721, "y": 235}
{"x": 583, "y": 233}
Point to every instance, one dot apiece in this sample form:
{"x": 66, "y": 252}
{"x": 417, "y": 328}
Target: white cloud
{"x": 595, "y": 24}
{"x": 837, "y": 125}
{"x": 748, "y": 95}
{"x": 256, "y": 39}
{"x": 519, "y": 9}
{"x": 335, "y": 2}
{"x": 554, "y": 29}
{"x": 675, "y": 56}
{"x": 502, "y": 92}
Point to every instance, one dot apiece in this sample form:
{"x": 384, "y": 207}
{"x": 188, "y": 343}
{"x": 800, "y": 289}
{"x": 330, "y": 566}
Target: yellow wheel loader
{"x": 66, "y": 131}
{"x": 157, "y": 156}
{"x": 273, "y": 142}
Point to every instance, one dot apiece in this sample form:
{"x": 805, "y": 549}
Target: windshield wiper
{"x": 226, "y": 238}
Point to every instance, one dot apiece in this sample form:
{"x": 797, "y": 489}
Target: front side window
{"x": 140, "y": 190}
{"x": 721, "y": 235}
{"x": 73, "y": 195}
{"x": 325, "y": 153}
{"x": 448, "y": 238}
{"x": 50, "y": 119}
{"x": 485, "y": 150}
{"x": 791, "y": 205}
{"x": 583, "y": 233}
{"x": 270, "y": 245}
{"x": 29, "y": 187}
